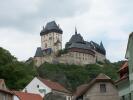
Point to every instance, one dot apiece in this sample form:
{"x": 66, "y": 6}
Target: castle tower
{"x": 51, "y": 37}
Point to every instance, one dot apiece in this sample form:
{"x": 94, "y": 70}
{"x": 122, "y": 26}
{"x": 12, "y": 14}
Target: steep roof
{"x": 51, "y": 27}
{"x": 125, "y": 65}
{"x": 77, "y": 41}
{"x": 99, "y": 48}
{"x": 27, "y": 96}
{"x": 39, "y": 52}
{"x": 79, "y": 45}
{"x": 84, "y": 88}
{"x": 6, "y": 91}
{"x": 54, "y": 85}
{"x": 76, "y": 38}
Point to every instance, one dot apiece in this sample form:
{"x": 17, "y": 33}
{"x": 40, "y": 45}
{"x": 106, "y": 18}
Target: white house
{"x": 42, "y": 87}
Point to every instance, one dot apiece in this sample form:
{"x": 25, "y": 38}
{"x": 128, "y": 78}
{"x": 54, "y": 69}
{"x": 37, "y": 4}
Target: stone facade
{"x": 79, "y": 52}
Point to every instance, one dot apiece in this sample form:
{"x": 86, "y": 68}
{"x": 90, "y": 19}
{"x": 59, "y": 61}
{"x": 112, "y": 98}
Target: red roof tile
{"x": 125, "y": 65}
{"x": 54, "y": 85}
{"x": 27, "y": 96}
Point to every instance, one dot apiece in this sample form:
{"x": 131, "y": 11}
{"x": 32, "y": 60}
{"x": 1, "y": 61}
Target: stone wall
{"x": 100, "y": 57}
{"x": 77, "y": 58}
{"x": 70, "y": 58}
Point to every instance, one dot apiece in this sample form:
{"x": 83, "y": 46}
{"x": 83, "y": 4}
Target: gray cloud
{"x": 28, "y": 15}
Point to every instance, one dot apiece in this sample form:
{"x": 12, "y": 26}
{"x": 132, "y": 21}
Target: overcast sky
{"x": 109, "y": 21}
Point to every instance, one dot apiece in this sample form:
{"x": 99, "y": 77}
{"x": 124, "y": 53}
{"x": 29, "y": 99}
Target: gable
{"x": 37, "y": 87}
{"x": 95, "y": 89}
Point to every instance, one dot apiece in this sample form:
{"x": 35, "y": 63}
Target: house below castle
{"x": 77, "y": 50}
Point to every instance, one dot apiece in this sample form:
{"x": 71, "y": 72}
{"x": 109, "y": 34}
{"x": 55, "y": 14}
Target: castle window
{"x": 102, "y": 88}
{"x": 50, "y": 38}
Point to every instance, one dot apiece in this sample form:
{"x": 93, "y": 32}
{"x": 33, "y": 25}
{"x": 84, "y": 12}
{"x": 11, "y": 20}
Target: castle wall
{"x": 71, "y": 58}
{"x": 100, "y": 57}
{"x": 77, "y": 58}
{"x": 38, "y": 60}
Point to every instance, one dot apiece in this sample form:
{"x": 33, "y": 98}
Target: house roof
{"x": 84, "y": 88}
{"x": 125, "y": 65}
{"x": 27, "y": 96}
{"x": 125, "y": 77}
{"x": 51, "y": 27}
{"x": 6, "y": 91}
{"x": 54, "y": 85}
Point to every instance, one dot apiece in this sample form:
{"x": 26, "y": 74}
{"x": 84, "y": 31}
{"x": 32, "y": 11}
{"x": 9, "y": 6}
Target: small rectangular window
{"x": 102, "y": 88}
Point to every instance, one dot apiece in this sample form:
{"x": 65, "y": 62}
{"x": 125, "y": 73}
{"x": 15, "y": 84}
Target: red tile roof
{"x": 54, "y": 85}
{"x": 125, "y": 65}
{"x": 27, "y": 96}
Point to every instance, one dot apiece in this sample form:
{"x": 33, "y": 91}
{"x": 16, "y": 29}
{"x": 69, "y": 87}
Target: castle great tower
{"x": 51, "y": 37}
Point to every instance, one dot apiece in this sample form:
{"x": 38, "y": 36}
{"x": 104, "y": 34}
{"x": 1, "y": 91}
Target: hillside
{"x": 18, "y": 74}
{"x": 72, "y": 76}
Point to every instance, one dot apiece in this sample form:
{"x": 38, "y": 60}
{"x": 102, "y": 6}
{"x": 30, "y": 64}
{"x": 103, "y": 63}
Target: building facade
{"x": 123, "y": 84}
{"x": 100, "y": 88}
{"x": 76, "y": 51}
{"x": 129, "y": 56}
{"x": 43, "y": 87}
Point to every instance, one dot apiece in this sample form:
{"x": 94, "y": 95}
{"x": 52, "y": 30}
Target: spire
{"x": 102, "y": 48}
{"x": 75, "y": 30}
{"x": 43, "y": 27}
{"x": 101, "y": 45}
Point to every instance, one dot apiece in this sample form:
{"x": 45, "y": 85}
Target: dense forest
{"x": 18, "y": 74}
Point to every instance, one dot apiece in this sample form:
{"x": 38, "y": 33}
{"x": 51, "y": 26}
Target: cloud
{"x": 109, "y": 21}
{"x": 27, "y": 15}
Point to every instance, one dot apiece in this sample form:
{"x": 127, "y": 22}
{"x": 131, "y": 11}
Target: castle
{"x": 77, "y": 50}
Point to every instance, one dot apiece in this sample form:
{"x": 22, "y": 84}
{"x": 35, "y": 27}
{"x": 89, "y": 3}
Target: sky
{"x": 109, "y": 21}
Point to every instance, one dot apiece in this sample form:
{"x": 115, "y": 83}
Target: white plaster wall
{"x": 32, "y": 87}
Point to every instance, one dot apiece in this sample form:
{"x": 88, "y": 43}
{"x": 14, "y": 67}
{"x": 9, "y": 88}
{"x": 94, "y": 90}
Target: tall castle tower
{"x": 51, "y": 37}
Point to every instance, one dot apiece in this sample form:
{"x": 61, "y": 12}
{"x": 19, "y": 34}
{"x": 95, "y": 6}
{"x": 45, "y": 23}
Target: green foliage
{"x": 72, "y": 76}
{"x": 16, "y": 74}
